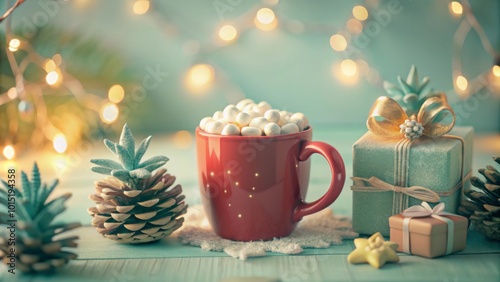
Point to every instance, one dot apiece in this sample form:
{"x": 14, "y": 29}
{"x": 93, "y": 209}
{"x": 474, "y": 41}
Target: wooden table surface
{"x": 100, "y": 259}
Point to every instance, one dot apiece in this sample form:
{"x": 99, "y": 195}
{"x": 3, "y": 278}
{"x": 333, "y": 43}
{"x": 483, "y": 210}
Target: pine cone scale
{"x": 483, "y": 208}
{"x": 135, "y": 204}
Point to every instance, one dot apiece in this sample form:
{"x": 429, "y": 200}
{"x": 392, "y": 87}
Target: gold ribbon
{"x": 387, "y": 115}
{"x": 374, "y": 184}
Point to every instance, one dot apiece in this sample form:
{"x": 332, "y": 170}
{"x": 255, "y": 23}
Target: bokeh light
{"x": 265, "y": 19}
{"x": 496, "y": 71}
{"x": 14, "y": 44}
{"x": 116, "y": 93}
{"x": 59, "y": 142}
{"x": 461, "y": 83}
{"x": 182, "y": 139}
{"x": 349, "y": 67}
{"x": 49, "y": 65}
{"x": 360, "y": 13}
{"x": 57, "y": 59}
{"x": 228, "y": 33}
{"x": 12, "y": 93}
{"x": 456, "y": 8}
{"x": 200, "y": 76}
{"x": 141, "y": 7}
{"x": 265, "y": 16}
{"x": 354, "y": 26}
{"x": 52, "y": 78}
{"x": 338, "y": 42}
{"x": 9, "y": 152}
{"x": 109, "y": 113}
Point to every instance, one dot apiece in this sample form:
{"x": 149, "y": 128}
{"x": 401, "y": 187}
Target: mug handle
{"x": 338, "y": 177}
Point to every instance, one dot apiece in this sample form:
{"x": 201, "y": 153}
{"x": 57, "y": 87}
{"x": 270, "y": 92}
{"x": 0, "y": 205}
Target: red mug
{"x": 253, "y": 188}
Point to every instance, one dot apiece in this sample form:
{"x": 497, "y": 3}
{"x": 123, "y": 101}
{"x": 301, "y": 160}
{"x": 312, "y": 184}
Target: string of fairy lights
{"x": 350, "y": 69}
{"x": 26, "y": 96}
{"x": 203, "y": 75}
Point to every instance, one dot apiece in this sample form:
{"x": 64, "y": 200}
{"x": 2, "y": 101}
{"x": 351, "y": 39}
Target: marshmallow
{"x": 243, "y": 119}
{"x": 248, "y": 108}
{"x": 250, "y": 119}
{"x": 272, "y": 129}
{"x": 264, "y": 107}
{"x": 289, "y": 128}
{"x": 204, "y": 122}
{"x": 302, "y": 117}
{"x": 272, "y": 116}
{"x": 251, "y": 131}
{"x": 230, "y": 113}
{"x": 218, "y": 115}
{"x": 214, "y": 127}
{"x": 259, "y": 122}
{"x": 284, "y": 116}
{"x": 230, "y": 129}
{"x": 298, "y": 122}
{"x": 241, "y": 104}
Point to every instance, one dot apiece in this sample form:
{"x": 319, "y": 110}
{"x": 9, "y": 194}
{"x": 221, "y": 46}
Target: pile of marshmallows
{"x": 250, "y": 119}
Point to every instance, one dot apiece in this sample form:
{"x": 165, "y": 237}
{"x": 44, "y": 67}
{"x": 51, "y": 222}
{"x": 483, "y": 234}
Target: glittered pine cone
{"x": 147, "y": 212}
{"x": 483, "y": 204}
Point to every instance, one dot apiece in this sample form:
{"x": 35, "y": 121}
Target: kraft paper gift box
{"x": 428, "y": 236}
{"x": 441, "y": 164}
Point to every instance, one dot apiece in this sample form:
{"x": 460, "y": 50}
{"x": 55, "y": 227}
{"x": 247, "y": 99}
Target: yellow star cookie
{"x": 374, "y": 251}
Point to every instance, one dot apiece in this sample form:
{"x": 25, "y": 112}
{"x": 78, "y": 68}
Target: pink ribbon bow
{"x": 425, "y": 210}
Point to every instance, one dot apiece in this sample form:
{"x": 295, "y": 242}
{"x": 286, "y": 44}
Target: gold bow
{"x": 374, "y": 184}
{"x": 386, "y": 117}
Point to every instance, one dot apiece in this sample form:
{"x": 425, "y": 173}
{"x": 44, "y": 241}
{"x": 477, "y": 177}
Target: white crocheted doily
{"x": 319, "y": 230}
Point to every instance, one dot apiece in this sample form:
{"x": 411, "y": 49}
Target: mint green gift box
{"x": 433, "y": 163}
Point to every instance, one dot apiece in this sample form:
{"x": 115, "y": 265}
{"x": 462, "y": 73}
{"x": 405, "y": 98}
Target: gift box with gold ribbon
{"x": 411, "y": 153}
{"x": 428, "y": 232}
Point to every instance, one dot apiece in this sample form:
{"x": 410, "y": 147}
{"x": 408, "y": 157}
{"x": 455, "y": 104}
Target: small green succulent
{"x": 39, "y": 246}
{"x": 410, "y": 94}
{"x": 131, "y": 170}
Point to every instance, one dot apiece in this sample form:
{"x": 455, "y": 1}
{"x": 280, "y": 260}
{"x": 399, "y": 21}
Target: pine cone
{"x": 135, "y": 205}
{"x": 36, "y": 250}
{"x": 130, "y": 215}
{"x": 483, "y": 205}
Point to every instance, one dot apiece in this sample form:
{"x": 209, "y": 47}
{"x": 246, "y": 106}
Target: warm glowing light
{"x": 141, "y": 7}
{"x": 116, "y": 93}
{"x": 496, "y": 71}
{"x": 354, "y": 26}
{"x": 109, "y": 113}
{"x": 228, "y": 33}
{"x": 363, "y": 67}
{"x": 462, "y": 83}
{"x": 12, "y": 93}
{"x": 265, "y": 16}
{"x": 265, "y": 19}
{"x": 59, "y": 142}
{"x": 456, "y": 8}
{"x": 14, "y": 44}
{"x": 338, "y": 42}
{"x": 57, "y": 59}
{"x": 200, "y": 75}
{"x": 349, "y": 67}
{"x": 52, "y": 78}
{"x": 182, "y": 139}
{"x": 9, "y": 152}
{"x": 49, "y": 65}
{"x": 360, "y": 13}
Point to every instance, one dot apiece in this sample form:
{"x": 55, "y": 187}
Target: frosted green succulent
{"x": 130, "y": 169}
{"x": 410, "y": 94}
{"x": 39, "y": 246}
